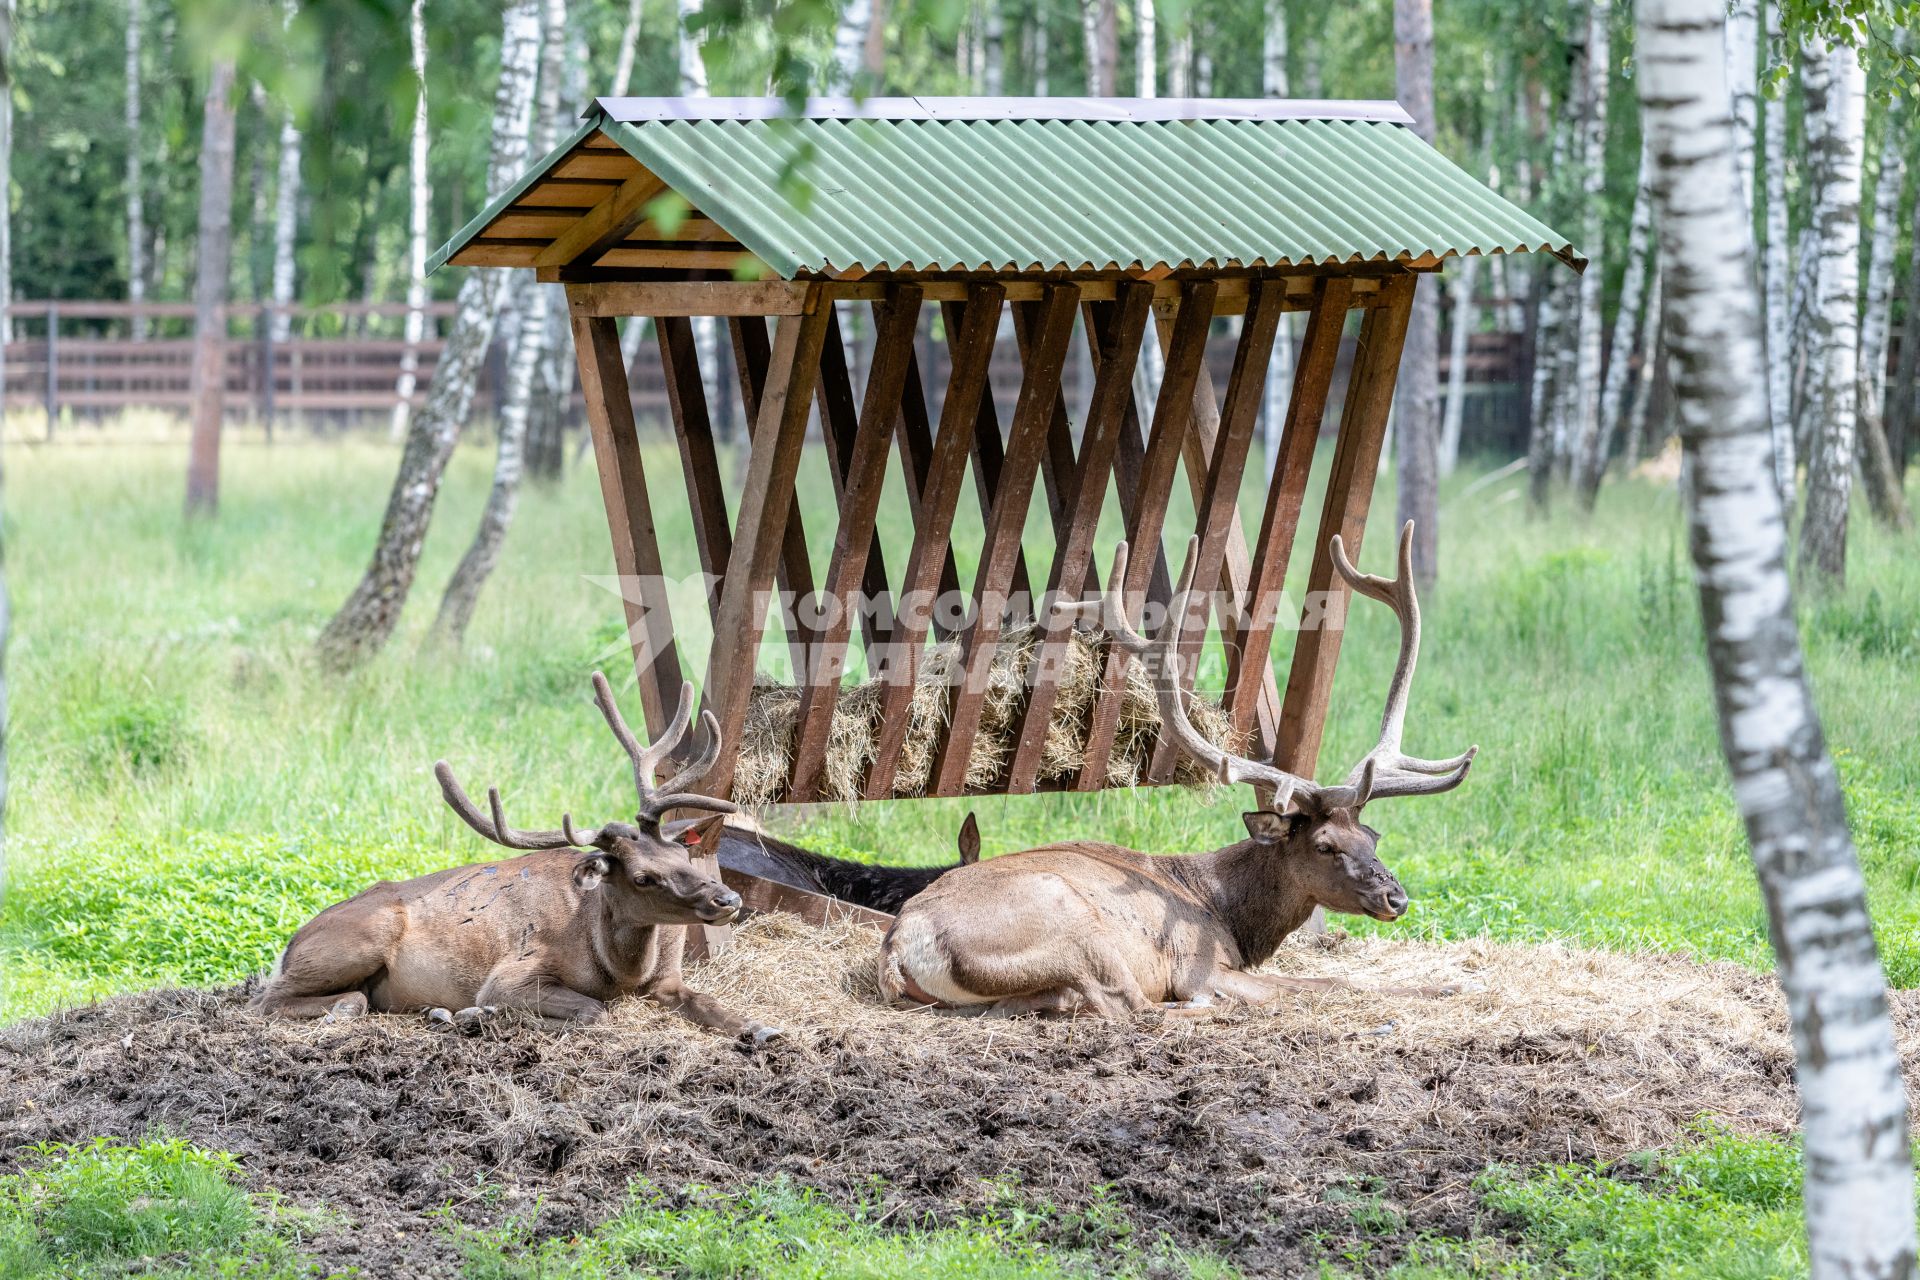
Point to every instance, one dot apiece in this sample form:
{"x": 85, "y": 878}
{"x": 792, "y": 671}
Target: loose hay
{"x": 766, "y": 748}
{"x": 1227, "y": 1133}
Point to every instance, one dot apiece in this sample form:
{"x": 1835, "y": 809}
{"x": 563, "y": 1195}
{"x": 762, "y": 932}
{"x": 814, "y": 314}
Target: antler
{"x": 1382, "y": 772}
{"x": 1386, "y": 770}
{"x": 654, "y": 801}
{"x": 1161, "y": 656}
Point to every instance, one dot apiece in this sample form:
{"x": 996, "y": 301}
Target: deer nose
{"x": 726, "y": 900}
{"x": 1396, "y": 900}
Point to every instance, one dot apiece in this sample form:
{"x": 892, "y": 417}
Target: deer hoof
{"x": 759, "y": 1037}
{"x": 470, "y": 1018}
{"x": 440, "y": 1017}
{"x": 345, "y": 1009}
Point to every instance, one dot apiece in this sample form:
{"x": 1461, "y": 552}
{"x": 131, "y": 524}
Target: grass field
{"x": 188, "y": 787}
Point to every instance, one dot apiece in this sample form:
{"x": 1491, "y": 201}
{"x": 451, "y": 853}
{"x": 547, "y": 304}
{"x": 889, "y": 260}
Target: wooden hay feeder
{"x": 1092, "y": 213}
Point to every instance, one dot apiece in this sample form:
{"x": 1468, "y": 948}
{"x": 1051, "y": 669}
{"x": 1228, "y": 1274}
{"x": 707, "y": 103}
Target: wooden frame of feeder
{"x": 589, "y": 219}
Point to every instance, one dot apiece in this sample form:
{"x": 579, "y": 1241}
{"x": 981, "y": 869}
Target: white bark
{"x": 1626, "y": 321}
{"x": 1453, "y": 416}
{"x": 1273, "y": 51}
{"x": 1653, "y": 349}
{"x": 1041, "y": 81}
{"x": 1590, "y": 453}
{"x": 136, "y": 184}
{"x": 1180, "y": 59}
{"x": 1858, "y": 1191}
{"x": 286, "y": 217}
{"x": 849, "y": 41}
{"x": 693, "y": 84}
{"x": 1279, "y": 386}
{"x": 1742, "y": 48}
{"x": 1835, "y": 331}
{"x": 6, "y": 193}
{"x": 1090, "y": 33}
{"x": 1778, "y": 272}
{"x": 1146, "y": 72}
{"x": 629, "y": 45}
{"x": 418, "y": 193}
{"x": 1876, "y": 319}
{"x": 993, "y": 49}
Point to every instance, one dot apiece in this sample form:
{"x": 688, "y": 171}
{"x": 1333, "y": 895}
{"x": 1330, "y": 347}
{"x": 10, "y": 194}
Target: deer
{"x": 582, "y": 918}
{"x": 1083, "y": 928}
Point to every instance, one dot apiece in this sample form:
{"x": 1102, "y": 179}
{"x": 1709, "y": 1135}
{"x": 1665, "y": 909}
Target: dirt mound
{"x": 1227, "y": 1132}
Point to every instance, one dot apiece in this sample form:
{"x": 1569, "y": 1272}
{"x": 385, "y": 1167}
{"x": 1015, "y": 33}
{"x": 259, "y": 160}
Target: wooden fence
{"x": 80, "y": 361}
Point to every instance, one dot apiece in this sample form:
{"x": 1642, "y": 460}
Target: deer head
{"x": 1305, "y": 818}
{"x": 645, "y": 867}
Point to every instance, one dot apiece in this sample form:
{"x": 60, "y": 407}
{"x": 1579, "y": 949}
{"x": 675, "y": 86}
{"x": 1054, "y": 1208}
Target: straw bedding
{"x": 766, "y": 753}
{"x": 1245, "y": 1133}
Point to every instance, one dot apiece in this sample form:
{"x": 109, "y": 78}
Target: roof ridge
{"x": 631, "y": 110}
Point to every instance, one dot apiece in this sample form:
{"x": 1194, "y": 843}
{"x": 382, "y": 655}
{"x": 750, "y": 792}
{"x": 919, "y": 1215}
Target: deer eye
{"x": 643, "y": 881}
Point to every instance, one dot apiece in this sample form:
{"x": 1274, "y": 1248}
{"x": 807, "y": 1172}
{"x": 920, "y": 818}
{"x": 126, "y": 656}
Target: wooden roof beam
{"x": 605, "y": 225}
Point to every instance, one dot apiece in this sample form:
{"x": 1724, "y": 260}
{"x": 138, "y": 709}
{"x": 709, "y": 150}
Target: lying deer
{"x": 1099, "y": 929}
{"x": 587, "y": 917}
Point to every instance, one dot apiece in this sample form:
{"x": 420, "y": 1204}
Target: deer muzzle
{"x": 721, "y": 908}
{"x": 1389, "y": 902}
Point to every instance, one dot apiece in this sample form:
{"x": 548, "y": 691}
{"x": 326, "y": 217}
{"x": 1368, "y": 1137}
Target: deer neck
{"x": 1252, "y": 891}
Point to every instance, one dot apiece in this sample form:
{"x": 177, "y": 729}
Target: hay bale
{"x": 766, "y": 746}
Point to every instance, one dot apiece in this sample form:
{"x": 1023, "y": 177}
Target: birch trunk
{"x": 213, "y": 254}
{"x": 136, "y": 186}
{"x": 1859, "y": 1171}
{"x": 417, "y": 213}
{"x": 1090, "y": 37}
{"x": 6, "y": 217}
{"x": 993, "y": 50}
{"x": 1835, "y": 351}
{"x": 1146, "y": 69}
{"x": 1279, "y": 385}
{"x": 1904, "y": 399}
{"x": 286, "y": 217}
{"x": 366, "y": 621}
{"x": 849, "y": 42}
{"x": 1654, "y": 352}
{"x": 1416, "y": 417}
{"x": 1877, "y": 467}
{"x": 1042, "y": 82}
{"x": 1547, "y": 332}
{"x": 706, "y": 332}
{"x": 1742, "y": 47}
{"x": 1589, "y": 446}
{"x": 1464, "y": 316}
{"x": 1626, "y": 322}
{"x": 629, "y": 46}
{"x": 1778, "y": 273}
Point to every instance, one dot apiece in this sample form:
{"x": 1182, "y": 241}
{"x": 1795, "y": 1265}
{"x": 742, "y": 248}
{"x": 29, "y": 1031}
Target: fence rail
{"x": 342, "y": 362}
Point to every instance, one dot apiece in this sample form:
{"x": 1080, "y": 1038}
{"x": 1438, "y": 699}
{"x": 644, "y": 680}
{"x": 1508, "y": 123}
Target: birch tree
{"x": 136, "y": 186}
{"x": 1279, "y": 386}
{"x": 1626, "y": 322}
{"x": 1742, "y": 47}
{"x": 1589, "y": 447}
{"x": 286, "y": 215}
{"x": 417, "y": 214}
{"x": 366, "y": 621}
{"x": 1878, "y": 468}
{"x": 1778, "y": 274}
{"x": 1453, "y": 416}
{"x": 1654, "y": 347}
{"x": 509, "y": 467}
{"x": 1416, "y": 413}
{"x": 6, "y": 208}
{"x": 213, "y": 249}
{"x": 1858, "y": 1191}
{"x": 1834, "y": 355}
{"x": 1904, "y": 400}
{"x": 706, "y": 332}
{"x": 629, "y": 46}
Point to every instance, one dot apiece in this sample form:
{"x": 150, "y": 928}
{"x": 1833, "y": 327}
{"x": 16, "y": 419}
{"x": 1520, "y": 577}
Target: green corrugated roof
{"x": 985, "y": 190}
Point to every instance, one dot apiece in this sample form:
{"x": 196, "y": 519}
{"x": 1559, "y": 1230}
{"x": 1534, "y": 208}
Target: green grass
{"x": 156, "y": 1208}
{"x": 188, "y": 787}
{"x": 784, "y": 1232}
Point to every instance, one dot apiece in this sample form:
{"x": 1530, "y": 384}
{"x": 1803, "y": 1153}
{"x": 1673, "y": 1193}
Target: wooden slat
{"x": 1056, "y": 464}
{"x": 1152, "y": 488}
{"x": 623, "y": 488}
{"x": 599, "y": 164}
{"x": 1039, "y": 388}
{"x": 1286, "y": 491}
{"x": 915, "y": 436}
{"x": 606, "y": 224}
{"x": 766, "y": 499}
{"x": 577, "y": 195}
{"x": 699, "y": 462}
{"x": 855, "y": 543}
{"x": 699, "y": 230}
{"x": 482, "y": 254}
{"x": 1216, "y": 507}
{"x": 751, "y": 352}
{"x": 966, "y": 387}
{"x": 1086, "y": 493}
{"x": 738, "y": 261}
{"x": 989, "y": 457}
{"x": 690, "y": 298}
{"x": 1356, "y": 457}
{"x": 833, "y": 392}
{"x": 515, "y": 225}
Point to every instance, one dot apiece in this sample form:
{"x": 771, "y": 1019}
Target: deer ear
{"x": 703, "y": 833}
{"x": 591, "y": 870}
{"x": 969, "y": 842}
{"x": 1266, "y": 826}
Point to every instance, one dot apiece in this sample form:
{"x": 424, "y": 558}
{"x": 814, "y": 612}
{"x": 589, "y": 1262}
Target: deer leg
{"x": 705, "y": 1011}
{"x": 531, "y": 992}
{"x": 335, "y": 1007}
{"x": 329, "y": 965}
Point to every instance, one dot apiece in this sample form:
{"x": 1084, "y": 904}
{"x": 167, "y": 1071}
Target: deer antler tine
{"x": 499, "y": 814}
{"x": 610, "y": 712}
{"x": 578, "y": 839}
{"x": 494, "y": 828}
{"x": 697, "y": 768}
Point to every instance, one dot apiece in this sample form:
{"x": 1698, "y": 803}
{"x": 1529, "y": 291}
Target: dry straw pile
{"x": 766, "y": 748}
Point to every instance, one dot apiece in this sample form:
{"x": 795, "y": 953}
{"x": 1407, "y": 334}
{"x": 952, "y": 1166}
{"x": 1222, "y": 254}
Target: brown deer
{"x": 1098, "y": 929}
{"x": 583, "y": 919}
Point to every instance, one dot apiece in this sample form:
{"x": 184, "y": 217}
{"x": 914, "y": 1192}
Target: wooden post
{"x": 1039, "y": 390}
{"x": 751, "y": 353}
{"x": 839, "y": 422}
{"x": 972, "y": 345}
{"x": 766, "y": 501}
{"x": 916, "y": 456}
{"x": 855, "y": 541}
{"x": 699, "y": 463}
{"x": 53, "y": 366}
{"x": 1356, "y": 458}
{"x": 623, "y": 488}
{"x": 989, "y": 455}
{"x": 265, "y": 321}
{"x": 1250, "y": 653}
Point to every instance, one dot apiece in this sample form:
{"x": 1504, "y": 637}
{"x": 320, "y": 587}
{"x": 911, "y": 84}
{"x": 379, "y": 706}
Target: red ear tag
{"x": 691, "y": 839}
